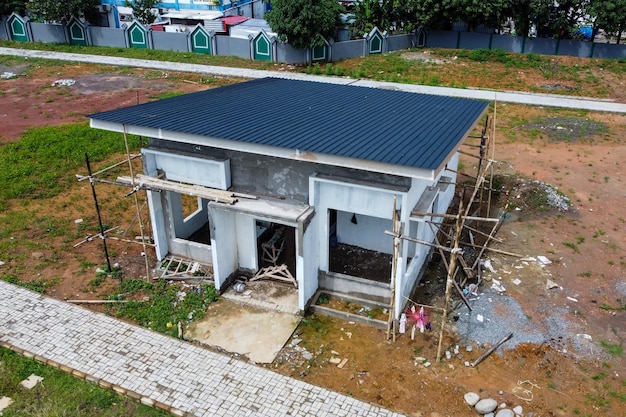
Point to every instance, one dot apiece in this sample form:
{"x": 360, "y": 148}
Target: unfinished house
{"x": 301, "y": 177}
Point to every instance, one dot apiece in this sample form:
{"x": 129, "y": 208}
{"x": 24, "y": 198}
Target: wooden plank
{"x": 150, "y": 183}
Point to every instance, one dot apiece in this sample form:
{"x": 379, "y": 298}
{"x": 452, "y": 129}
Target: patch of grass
{"x": 572, "y": 246}
{"x": 615, "y": 349}
{"x": 318, "y": 325}
{"x": 40, "y": 285}
{"x": 40, "y": 163}
{"x": 599, "y": 376}
{"x": 61, "y": 394}
{"x": 166, "y": 305}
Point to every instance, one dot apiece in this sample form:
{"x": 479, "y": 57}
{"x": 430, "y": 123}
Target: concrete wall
{"x": 349, "y": 49}
{"x": 543, "y": 46}
{"x": 343, "y": 49}
{"x": 107, "y": 37}
{"x": 223, "y": 243}
{"x": 226, "y": 45}
{"x": 397, "y": 42}
{"x": 287, "y": 53}
{"x": 4, "y": 34}
{"x": 439, "y": 39}
{"x": 367, "y": 233}
{"x": 260, "y": 174}
{"x": 307, "y": 260}
{"x": 168, "y": 41}
{"x": 507, "y": 43}
{"x": 157, "y": 220}
{"x": 471, "y": 40}
{"x": 43, "y": 32}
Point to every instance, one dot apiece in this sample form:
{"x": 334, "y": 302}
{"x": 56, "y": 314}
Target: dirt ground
{"x": 585, "y": 244}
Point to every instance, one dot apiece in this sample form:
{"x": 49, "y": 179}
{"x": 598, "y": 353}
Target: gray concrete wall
{"x": 572, "y": 47}
{"x": 471, "y": 40}
{"x": 258, "y": 174}
{"x": 349, "y": 49}
{"x": 507, "y": 43}
{"x": 168, "y": 41}
{"x": 287, "y": 53}
{"x": 107, "y": 36}
{"x": 43, "y": 32}
{"x": 397, "y": 42}
{"x": 604, "y": 50}
{"x": 437, "y": 39}
{"x": 542, "y": 46}
{"x": 226, "y": 45}
{"x": 4, "y": 34}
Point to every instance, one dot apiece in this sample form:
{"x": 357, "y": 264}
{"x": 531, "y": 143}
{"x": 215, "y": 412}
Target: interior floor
{"x": 362, "y": 263}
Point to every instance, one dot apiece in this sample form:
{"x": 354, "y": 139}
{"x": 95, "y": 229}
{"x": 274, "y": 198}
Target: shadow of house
{"x": 322, "y": 163}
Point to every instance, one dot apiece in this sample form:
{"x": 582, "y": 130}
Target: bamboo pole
{"x": 394, "y": 268}
{"x": 450, "y": 277}
{"x": 453, "y": 216}
{"x": 132, "y": 175}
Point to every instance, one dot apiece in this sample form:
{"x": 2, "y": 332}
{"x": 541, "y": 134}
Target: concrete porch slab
{"x": 256, "y": 323}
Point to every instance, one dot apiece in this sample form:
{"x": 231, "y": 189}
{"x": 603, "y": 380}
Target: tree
{"x": 302, "y": 22}
{"x": 490, "y": 13}
{"x": 432, "y": 14}
{"x": 9, "y": 6}
{"x": 143, "y": 10}
{"x": 609, "y": 15}
{"x": 389, "y": 15}
{"x": 63, "y": 10}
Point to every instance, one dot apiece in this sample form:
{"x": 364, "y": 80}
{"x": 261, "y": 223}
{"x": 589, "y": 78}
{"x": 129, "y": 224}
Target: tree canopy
{"x": 143, "y": 10}
{"x": 9, "y": 6}
{"x": 63, "y": 10}
{"x": 302, "y": 22}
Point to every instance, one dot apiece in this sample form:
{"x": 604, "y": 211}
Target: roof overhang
{"x": 296, "y": 155}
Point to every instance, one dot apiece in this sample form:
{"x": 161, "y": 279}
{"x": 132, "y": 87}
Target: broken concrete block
{"x": 5, "y": 402}
{"x": 31, "y": 381}
{"x": 334, "y": 361}
{"x": 551, "y": 284}
{"x": 543, "y": 260}
{"x": 342, "y": 363}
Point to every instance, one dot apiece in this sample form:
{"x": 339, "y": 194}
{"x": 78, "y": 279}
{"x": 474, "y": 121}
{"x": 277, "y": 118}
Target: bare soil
{"x": 585, "y": 244}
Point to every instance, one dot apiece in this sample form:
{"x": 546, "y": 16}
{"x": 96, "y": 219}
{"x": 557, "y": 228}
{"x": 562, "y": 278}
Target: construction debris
{"x": 278, "y": 272}
{"x": 31, "y": 381}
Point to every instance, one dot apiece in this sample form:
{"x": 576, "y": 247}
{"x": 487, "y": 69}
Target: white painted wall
{"x": 245, "y": 230}
{"x": 186, "y": 168}
{"x": 223, "y": 243}
{"x": 158, "y": 224}
{"x": 307, "y": 261}
{"x": 368, "y": 233}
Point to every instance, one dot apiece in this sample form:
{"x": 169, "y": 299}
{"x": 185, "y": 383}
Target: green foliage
{"x": 44, "y": 161}
{"x": 39, "y": 285}
{"x": 615, "y": 349}
{"x": 303, "y": 23}
{"x": 143, "y": 10}
{"x": 9, "y": 6}
{"x": 166, "y": 305}
{"x": 63, "y": 10}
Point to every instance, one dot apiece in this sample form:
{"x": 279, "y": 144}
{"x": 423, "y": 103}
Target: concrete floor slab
{"x": 246, "y": 329}
{"x": 255, "y": 323}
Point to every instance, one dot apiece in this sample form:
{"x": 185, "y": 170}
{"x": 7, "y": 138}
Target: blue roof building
{"x": 321, "y": 165}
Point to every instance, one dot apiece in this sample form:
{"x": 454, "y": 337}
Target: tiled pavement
{"x": 174, "y": 375}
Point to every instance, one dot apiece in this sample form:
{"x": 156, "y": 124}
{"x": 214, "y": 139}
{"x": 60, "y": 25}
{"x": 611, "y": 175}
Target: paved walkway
{"x": 167, "y": 373}
{"x": 550, "y": 100}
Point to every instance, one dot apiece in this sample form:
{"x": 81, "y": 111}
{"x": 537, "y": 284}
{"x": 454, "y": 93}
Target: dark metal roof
{"x": 394, "y": 127}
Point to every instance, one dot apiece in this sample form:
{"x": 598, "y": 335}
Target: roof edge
{"x": 285, "y": 153}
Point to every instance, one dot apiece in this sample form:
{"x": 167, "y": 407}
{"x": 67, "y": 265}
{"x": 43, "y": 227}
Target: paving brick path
{"x": 167, "y": 373}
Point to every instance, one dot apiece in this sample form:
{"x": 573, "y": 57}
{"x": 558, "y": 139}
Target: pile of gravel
{"x": 555, "y": 199}
{"x": 501, "y": 315}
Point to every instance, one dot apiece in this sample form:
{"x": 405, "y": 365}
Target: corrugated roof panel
{"x": 394, "y": 127}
